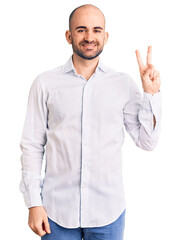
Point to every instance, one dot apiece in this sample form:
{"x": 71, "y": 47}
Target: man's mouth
{"x": 88, "y": 45}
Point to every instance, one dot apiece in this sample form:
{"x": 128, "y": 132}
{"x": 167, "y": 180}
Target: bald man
{"x": 78, "y": 110}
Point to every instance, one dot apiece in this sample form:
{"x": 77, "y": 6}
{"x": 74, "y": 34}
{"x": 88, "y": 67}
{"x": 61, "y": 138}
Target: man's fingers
{"x": 149, "y": 55}
{"x": 152, "y": 71}
{"x": 38, "y": 220}
{"x": 38, "y": 230}
{"x": 139, "y": 59}
{"x": 47, "y": 225}
{"x": 148, "y": 71}
{"x": 155, "y": 74}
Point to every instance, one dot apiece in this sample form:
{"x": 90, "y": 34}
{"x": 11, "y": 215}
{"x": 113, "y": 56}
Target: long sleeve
{"x": 32, "y": 145}
{"x": 138, "y": 117}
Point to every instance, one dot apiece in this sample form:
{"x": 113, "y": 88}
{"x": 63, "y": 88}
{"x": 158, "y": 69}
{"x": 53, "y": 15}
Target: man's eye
{"x": 80, "y": 30}
{"x": 97, "y": 31}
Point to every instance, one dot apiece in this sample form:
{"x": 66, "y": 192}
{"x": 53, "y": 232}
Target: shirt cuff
{"x": 152, "y": 102}
{"x": 32, "y": 198}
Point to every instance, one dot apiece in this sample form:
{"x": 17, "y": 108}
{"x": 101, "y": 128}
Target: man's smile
{"x": 89, "y": 46}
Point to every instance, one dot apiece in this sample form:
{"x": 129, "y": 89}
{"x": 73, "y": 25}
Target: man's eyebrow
{"x": 86, "y": 27}
{"x": 80, "y": 27}
{"x": 98, "y": 28}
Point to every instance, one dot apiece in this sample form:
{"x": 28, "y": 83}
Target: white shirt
{"x": 81, "y": 122}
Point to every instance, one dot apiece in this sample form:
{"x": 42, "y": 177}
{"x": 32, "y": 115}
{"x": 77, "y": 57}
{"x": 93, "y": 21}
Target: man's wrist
{"x": 30, "y": 208}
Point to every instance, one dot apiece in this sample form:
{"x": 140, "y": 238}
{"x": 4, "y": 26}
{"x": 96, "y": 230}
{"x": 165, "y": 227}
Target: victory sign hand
{"x": 149, "y": 75}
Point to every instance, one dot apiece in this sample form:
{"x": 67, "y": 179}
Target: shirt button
{"x": 83, "y": 185}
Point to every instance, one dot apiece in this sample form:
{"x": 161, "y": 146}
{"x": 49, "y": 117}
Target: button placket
{"x": 85, "y": 150}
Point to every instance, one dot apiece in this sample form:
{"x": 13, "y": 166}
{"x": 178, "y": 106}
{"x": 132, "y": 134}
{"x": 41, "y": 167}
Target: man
{"x": 78, "y": 111}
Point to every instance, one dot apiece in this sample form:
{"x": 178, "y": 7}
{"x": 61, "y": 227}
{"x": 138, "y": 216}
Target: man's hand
{"x": 38, "y": 220}
{"x": 149, "y": 76}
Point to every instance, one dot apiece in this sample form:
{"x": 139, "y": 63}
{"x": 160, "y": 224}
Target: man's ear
{"x": 106, "y": 37}
{"x": 68, "y": 36}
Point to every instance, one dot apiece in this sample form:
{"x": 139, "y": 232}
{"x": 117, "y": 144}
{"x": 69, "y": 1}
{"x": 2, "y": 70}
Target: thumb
{"x": 47, "y": 225}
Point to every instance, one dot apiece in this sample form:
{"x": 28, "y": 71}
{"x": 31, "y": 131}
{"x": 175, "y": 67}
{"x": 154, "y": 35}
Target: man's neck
{"x": 85, "y": 67}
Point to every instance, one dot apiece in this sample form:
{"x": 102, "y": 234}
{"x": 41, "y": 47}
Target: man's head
{"x": 87, "y": 31}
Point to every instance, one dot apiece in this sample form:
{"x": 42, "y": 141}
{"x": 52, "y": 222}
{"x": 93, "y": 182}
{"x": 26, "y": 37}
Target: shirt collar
{"x": 69, "y": 66}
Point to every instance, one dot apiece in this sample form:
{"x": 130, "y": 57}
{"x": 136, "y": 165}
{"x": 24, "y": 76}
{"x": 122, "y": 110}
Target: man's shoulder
{"x": 52, "y": 71}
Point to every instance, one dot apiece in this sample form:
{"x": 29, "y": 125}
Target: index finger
{"x": 139, "y": 59}
{"x": 149, "y": 55}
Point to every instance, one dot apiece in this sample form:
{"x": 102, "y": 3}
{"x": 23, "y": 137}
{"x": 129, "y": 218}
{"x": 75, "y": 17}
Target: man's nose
{"x": 89, "y": 36}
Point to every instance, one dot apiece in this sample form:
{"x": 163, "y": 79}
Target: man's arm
{"x": 150, "y": 78}
{"x": 142, "y": 117}
{"x": 32, "y": 145}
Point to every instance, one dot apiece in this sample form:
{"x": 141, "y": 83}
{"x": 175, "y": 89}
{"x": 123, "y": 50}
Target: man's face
{"x": 88, "y": 33}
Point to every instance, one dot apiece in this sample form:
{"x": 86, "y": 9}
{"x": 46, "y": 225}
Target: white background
{"x": 33, "y": 41}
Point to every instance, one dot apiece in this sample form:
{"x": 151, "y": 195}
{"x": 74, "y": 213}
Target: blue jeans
{"x": 112, "y": 231}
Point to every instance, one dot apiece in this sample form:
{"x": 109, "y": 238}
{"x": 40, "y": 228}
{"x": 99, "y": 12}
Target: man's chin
{"x": 88, "y": 56}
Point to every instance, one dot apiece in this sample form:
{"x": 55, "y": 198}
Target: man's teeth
{"x": 88, "y": 45}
